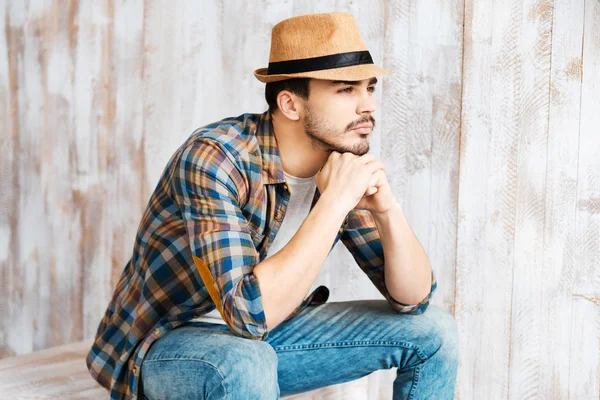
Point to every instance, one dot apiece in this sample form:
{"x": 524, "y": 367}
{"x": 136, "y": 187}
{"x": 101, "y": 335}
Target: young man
{"x": 244, "y": 215}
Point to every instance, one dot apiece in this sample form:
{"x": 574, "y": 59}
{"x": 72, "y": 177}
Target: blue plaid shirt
{"x": 215, "y": 211}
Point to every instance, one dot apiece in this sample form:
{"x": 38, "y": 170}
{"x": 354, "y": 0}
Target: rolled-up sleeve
{"x": 362, "y": 240}
{"x": 208, "y": 189}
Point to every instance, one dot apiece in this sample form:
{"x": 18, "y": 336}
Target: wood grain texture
{"x": 488, "y": 127}
{"x": 558, "y": 266}
{"x": 487, "y": 198}
{"x": 8, "y": 177}
{"x": 532, "y": 73}
{"x": 55, "y": 373}
{"x": 584, "y": 352}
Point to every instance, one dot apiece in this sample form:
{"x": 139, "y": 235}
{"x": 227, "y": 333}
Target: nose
{"x": 366, "y": 104}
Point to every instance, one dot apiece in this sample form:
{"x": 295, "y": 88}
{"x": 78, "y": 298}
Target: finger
{"x": 373, "y": 180}
{"x": 335, "y": 154}
{"x": 381, "y": 177}
{"x": 366, "y": 158}
{"x": 375, "y": 165}
{"x": 379, "y": 162}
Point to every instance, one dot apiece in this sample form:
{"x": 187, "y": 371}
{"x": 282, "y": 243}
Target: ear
{"x": 289, "y": 105}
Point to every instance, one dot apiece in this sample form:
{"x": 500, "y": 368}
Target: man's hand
{"x": 346, "y": 177}
{"x": 378, "y": 198}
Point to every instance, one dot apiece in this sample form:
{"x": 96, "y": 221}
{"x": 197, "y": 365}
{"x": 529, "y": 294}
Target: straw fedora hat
{"x": 320, "y": 46}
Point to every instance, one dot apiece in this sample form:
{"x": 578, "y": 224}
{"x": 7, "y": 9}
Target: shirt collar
{"x": 272, "y": 169}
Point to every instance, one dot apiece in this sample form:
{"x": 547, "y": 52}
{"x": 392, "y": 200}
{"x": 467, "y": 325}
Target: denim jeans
{"x": 323, "y": 345}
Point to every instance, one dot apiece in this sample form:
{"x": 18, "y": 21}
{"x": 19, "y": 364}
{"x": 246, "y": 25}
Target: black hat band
{"x": 320, "y": 63}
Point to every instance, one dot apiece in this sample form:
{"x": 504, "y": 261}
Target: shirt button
{"x": 135, "y": 370}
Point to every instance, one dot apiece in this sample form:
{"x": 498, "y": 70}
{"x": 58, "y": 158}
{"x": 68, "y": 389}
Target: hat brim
{"x": 351, "y": 73}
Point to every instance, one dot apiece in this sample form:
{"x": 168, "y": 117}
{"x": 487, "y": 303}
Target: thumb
{"x": 371, "y": 190}
{"x": 373, "y": 180}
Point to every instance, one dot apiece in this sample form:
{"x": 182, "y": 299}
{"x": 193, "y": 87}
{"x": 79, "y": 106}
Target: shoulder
{"x": 235, "y": 136}
{"x": 229, "y": 145}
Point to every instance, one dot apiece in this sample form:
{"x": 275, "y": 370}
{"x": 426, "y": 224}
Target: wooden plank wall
{"x": 489, "y": 127}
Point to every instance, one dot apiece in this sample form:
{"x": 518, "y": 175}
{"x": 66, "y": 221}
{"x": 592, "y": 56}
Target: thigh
{"x": 204, "y": 360}
{"x": 337, "y": 342}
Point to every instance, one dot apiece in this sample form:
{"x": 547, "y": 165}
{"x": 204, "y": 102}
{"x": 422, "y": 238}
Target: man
{"x": 240, "y": 223}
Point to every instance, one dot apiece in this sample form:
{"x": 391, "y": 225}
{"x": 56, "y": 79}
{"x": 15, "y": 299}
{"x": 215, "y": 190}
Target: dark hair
{"x": 298, "y": 86}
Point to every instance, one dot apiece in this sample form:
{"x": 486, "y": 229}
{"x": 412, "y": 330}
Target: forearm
{"x": 407, "y": 267}
{"x": 286, "y": 277}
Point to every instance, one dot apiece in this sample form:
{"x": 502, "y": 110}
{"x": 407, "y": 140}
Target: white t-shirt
{"x": 302, "y": 193}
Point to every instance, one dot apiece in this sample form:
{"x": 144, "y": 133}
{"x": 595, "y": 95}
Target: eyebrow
{"x": 352, "y": 83}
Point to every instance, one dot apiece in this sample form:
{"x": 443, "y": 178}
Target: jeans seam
{"x": 415, "y": 381}
{"x": 367, "y": 343}
{"x": 193, "y": 359}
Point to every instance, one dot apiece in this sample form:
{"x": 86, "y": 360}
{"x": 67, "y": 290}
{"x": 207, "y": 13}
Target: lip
{"x": 363, "y": 129}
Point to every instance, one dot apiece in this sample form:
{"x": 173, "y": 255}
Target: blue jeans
{"x": 323, "y": 345}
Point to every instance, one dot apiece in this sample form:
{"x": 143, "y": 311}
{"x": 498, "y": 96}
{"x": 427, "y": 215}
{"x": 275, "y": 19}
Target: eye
{"x": 371, "y": 89}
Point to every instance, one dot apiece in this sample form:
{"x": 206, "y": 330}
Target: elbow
{"x": 411, "y": 309}
{"x": 249, "y": 330}
{"x": 245, "y": 317}
{"x": 415, "y": 308}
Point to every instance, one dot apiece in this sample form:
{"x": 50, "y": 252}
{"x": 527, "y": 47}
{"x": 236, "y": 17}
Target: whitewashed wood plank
{"x": 60, "y": 292}
{"x": 444, "y": 68}
{"x": 57, "y": 372}
{"x": 420, "y": 143}
{"x": 126, "y": 170}
{"x": 406, "y": 141}
{"x": 487, "y": 197}
{"x": 584, "y": 359}
{"x": 531, "y": 58}
{"x": 585, "y": 350}
{"x": 561, "y": 184}
{"x": 94, "y": 110}
{"x": 28, "y": 316}
{"x": 8, "y": 172}
{"x": 421, "y": 125}
{"x": 162, "y": 43}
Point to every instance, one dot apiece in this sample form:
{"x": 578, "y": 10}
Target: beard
{"x": 326, "y": 137}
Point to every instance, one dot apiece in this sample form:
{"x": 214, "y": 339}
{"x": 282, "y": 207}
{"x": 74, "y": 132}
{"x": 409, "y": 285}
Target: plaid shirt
{"x": 216, "y": 209}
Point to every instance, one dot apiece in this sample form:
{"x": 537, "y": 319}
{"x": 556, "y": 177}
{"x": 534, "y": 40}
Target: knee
{"x": 250, "y": 371}
{"x": 442, "y": 334}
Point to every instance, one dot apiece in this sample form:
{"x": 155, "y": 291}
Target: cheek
{"x": 338, "y": 113}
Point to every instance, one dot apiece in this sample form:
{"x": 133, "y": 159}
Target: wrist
{"x": 334, "y": 204}
{"x": 394, "y": 208}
